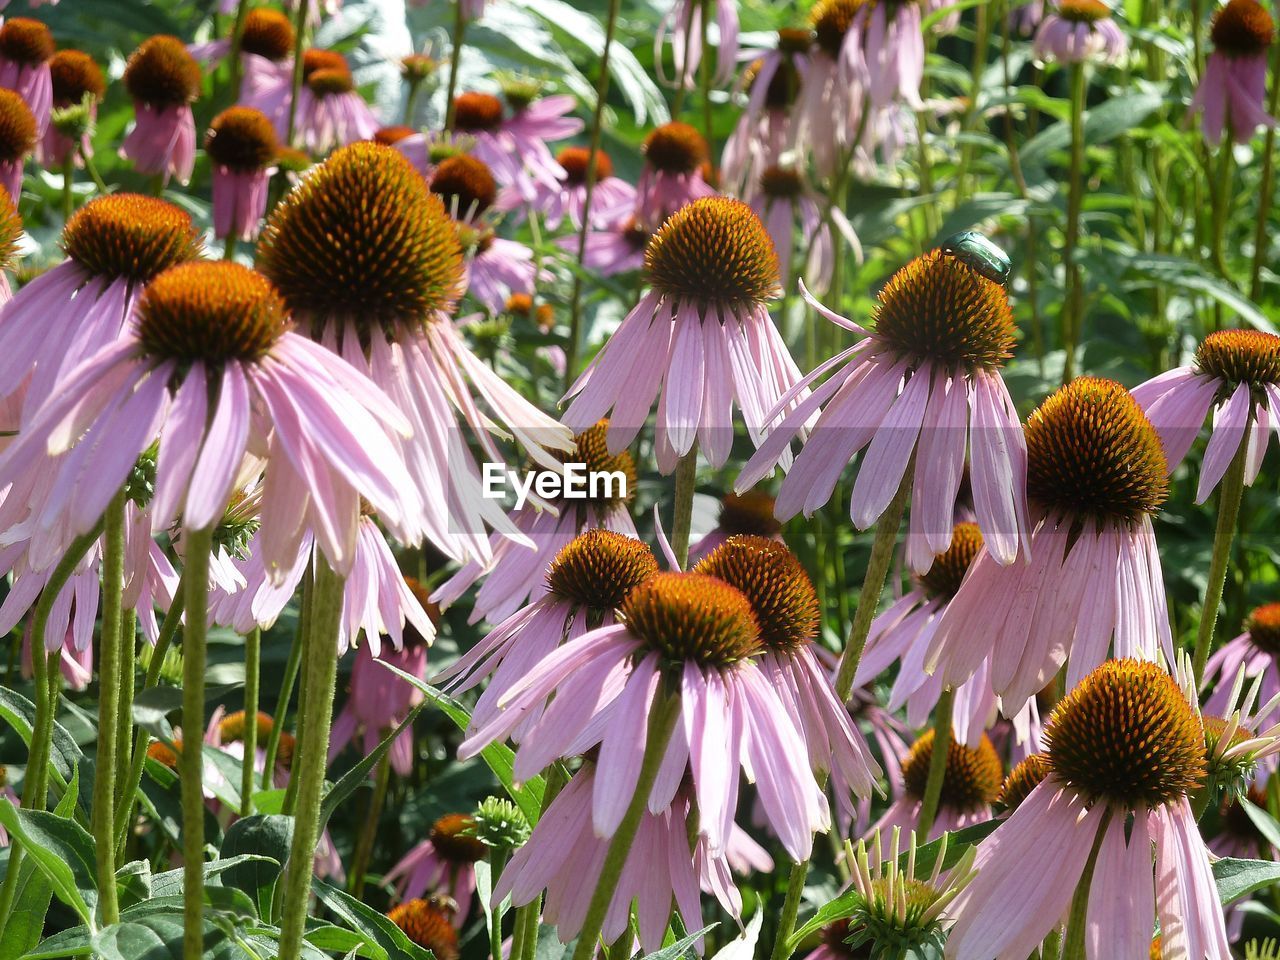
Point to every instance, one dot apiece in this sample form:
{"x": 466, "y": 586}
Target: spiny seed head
{"x": 1240, "y": 356}
{"x": 1092, "y": 452}
{"x": 781, "y": 182}
{"x": 417, "y": 67}
{"x": 831, "y": 20}
{"x": 973, "y": 775}
{"x": 1022, "y": 779}
{"x": 896, "y": 914}
{"x": 74, "y": 74}
{"x": 453, "y": 837}
{"x": 242, "y": 139}
{"x": 1226, "y": 774}
{"x": 393, "y": 134}
{"x": 938, "y": 308}
{"x": 1263, "y": 627}
{"x": 362, "y": 238}
{"x": 10, "y": 230}
{"x": 326, "y": 83}
{"x": 314, "y": 59}
{"x": 675, "y": 148}
{"x": 950, "y": 566}
{"x": 795, "y": 39}
{"x": 592, "y": 450}
{"x": 519, "y": 91}
{"x": 464, "y": 184}
{"x": 129, "y": 235}
{"x": 25, "y": 41}
{"x": 1126, "y": 736}
{"x": 692, "y": 617}
{"x": 499, "y": 824}
{"x": 267, "y": 33}
{"x": 1083, "y": 11}
{"x": 232, "y": 727}
{"x": 599, "y": 568}
{"x": 211, "y": 311}
{"x": 477, "y": 113}
{"x": 748, "y": 513}
{"x": 714, "y": 251}
{"x": 161, "y": 73}
{"x": 775, "y": 584}
{"x": 1242, "y": 28}
{"x": 575, "y": 161}
{"x": 17, "y": 128}
{"x": 164, "y": 754}
{"x": 428, "y": 926}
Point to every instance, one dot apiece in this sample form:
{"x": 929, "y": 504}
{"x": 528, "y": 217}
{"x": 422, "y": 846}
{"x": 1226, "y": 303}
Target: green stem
{"x": 704, "y": 76}
{"x": 92, "y": 169}
{"x": 686, "y": 481}
{"x": 937, "y": 764}
{"x": 229, "y": 247}
{"x": 237, "y": 38}
{"x": 1074, "y": 299}
{"x": 295, "y": 85}
{"x": 1229, "y": 498}
{"x": 104, "y": 781}
{"x": 68, "y": 181}
{"x": 1073, "y": 945}
{"x": 455, "y": 61}
{"x": 129, "y": 788}
{"x": 597, "y": 122}
{"x": 782, "y": 948}
{"x": 1221, "y": 198}
{"x": 497, "y": 860}
{"x": 1260, "y": 235}
{"x": 252, "y": 668}
{"x": 320, "y": 669}
{"x": 369, "y": 829}
{"x": 663, "y": 715}
{"x": 191, "y": 762}
{"x": 124, "y": 711}
{"x": 282, "y": 709}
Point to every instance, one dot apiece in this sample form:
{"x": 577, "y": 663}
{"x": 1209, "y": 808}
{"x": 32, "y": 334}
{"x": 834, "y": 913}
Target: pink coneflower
{"x": 10, "y": 236}
{"x": 924, "y": 383}
{"x": 75, "y": 663}
{"x": 266, "y": 46}
{"x": 585, "y": 584}
{"x": 1080, "y": 30}
{"x": 163, "y": 80}
{"x": 674, "y": 155}
{"x": 1125, "y": 749}
{"x": 834, "y": 97}
{"x": 26, "y": 47}
{"x": 683, "y": 23}
{"x": 970, "y": 785}
{"x": 747, "y": 514}
{"x": 773, "y": 83}
{"x": 115, "y": 245}
{"x": 1255, "y": 651}
{"x": 379, "y": 601}
{"x": 370, "y": 264}
{"x": 18, "y": 137}
{"x": 564, "y": 857}
{"x": 699, "y": 342}
{"x": 378, "y": 700}
{"x": 784, "y": 200}
{"x": 787, "y": 611}
{"x": 514, "y": 147}
{"x": 428, "y": 925}
{"x": 1026, "y": 17}
{"x": 616, "y": 249}
{"x": 444, "y": 863}
{"x": 219, "y": 330}
{"x": 330, "y": 112}
{"x": 517, "y": 573}
{"x": 1236, "y": 372}
{"x": 76, "y": 79}
{"x": 1092, "y": 581}
{"x": 242, "y": 145}
{"x": 683, "y": 635}
{"x": 1234, "y": 84}
{"x": 612, "y": 198}
{"x": 892, "y": 42}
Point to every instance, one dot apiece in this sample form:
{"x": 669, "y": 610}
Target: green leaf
{"x": 169, "y": 883}
{"x": 65, "y": 755}
{"x": 26, "y": 922}
{"x": 151, "y": 709}
{"x": 681, "y": 949}
{"x": 1105, "y": 122}
{"x": 154, "y": 936}
{"x": 1188, "y": 275}
{"x": 266, "y": 836}
{"x": 1239, "y": 878}
{"x": 359, "y": 773}
{"x": 63, "y": 851}
{"x": 1266, "y": 824}
{"x": 133, "y": 883}
{"x": 325, "y": 936}
{"x": 369, "y": 923}
{"x": 498, "y": 756}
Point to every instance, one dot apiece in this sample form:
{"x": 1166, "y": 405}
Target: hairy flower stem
{"x": 1073, "y": 941}
{"x": 1073, "y": 302}
{"x": 1267, "y": 182}
{"x": 597, "y": 122}
{"x": 237, "y": 38}
{"x": 686, "y": 480}
{"x": 320, "y": 669}
{"x": 129, "y": 786}
{"x": 128, "y": 650}
{"x": 1229, "y": 498}
{"x": 102, "y": 817}
{"x": 937, "y": 763}
{"x": 369, "y": 829}
{"x": 68, "y": 182}
{"x": 663, "y": 715}
{"x": 291, "y": 667}
{"x": 252, "y": 667}
{"x": 191, "y": 762}
{"x": 295, "y": 85}
{"x": 455, "y": 61}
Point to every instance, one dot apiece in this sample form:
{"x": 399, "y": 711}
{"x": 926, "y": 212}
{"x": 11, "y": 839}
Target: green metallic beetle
{"x": 978, "y": 252}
